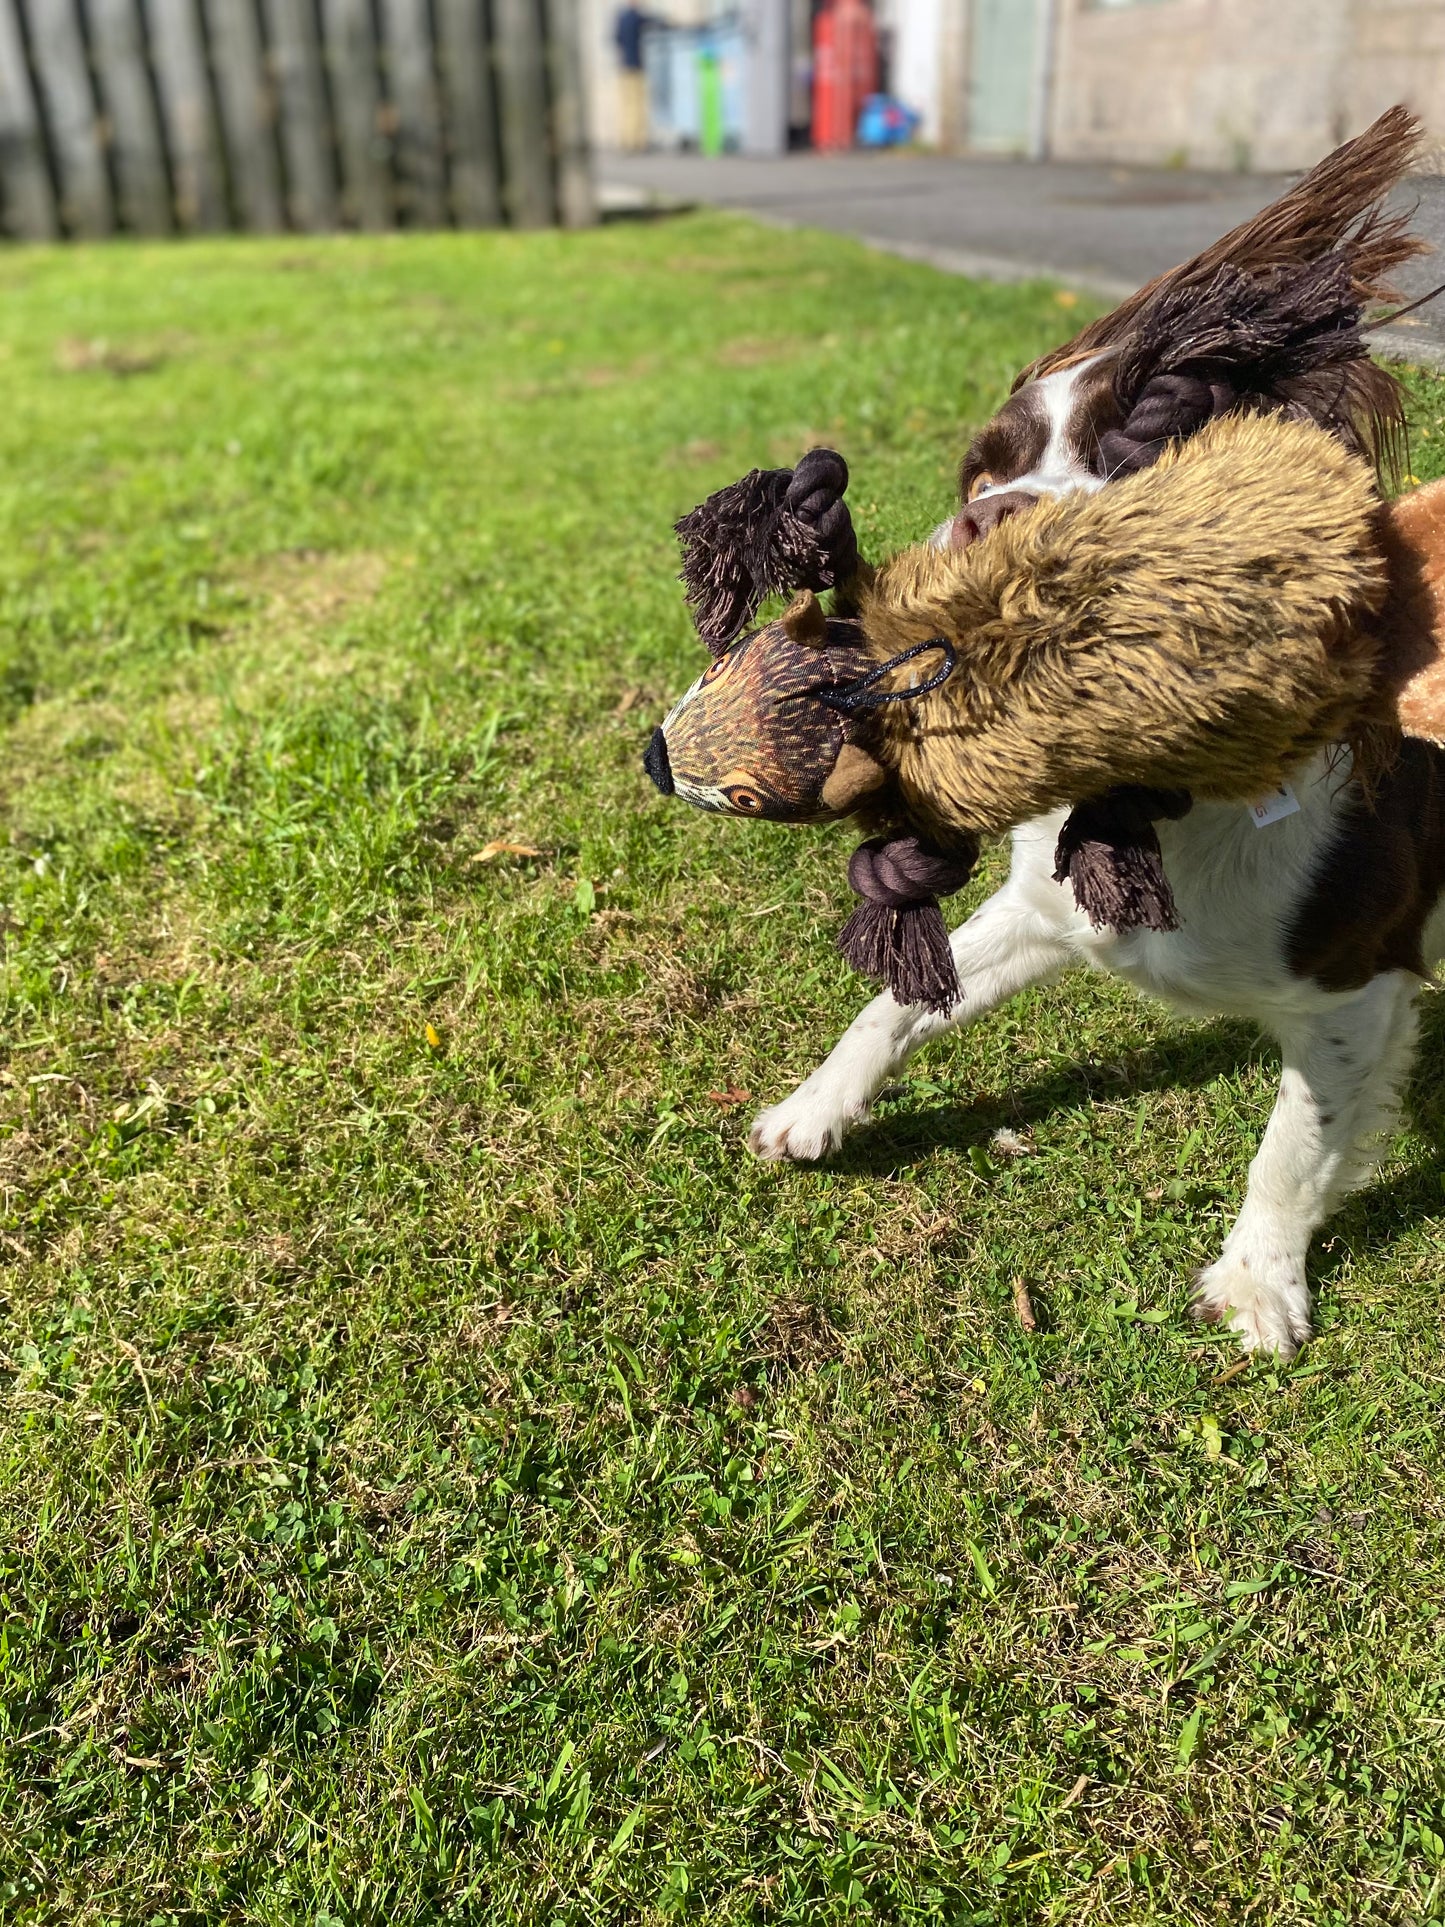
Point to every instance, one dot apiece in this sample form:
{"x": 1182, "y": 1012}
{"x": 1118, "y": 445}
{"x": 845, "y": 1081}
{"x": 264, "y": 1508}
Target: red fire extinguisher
{"x": 845, "y": 70}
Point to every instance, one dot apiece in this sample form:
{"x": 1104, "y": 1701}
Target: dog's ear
{"x": 804, "y": 621}
{"x": 855, "y": 775}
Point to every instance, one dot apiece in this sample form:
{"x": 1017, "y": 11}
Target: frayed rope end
{"x": 897, "y": 933}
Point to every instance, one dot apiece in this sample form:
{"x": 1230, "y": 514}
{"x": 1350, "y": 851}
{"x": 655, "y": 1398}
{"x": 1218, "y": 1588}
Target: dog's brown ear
{"x": 804, "y": 621}
{"x": 855, "y": 775}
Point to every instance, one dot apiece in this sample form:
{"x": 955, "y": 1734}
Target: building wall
{"x": 918, "y": 35}
{"x": 1261, "y": 84}
{"x": 1265, "y": 84}
{"x": 1397, "y": 52}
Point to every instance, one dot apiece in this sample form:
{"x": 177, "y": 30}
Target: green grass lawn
{"x": 442, "y": 1476}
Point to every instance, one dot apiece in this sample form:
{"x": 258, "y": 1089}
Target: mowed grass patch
{"x": 444, "y": 1478}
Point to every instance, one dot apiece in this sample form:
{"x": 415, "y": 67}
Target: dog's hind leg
{"x": 1344, "y": 1069}
{"x": 1006, "y": 945}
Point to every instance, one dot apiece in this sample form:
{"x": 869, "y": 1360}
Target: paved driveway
{"x": 1106, "y": 228}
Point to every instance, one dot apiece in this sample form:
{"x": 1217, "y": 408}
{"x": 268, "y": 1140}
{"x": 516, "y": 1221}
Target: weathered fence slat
{"x": 71, "y": 115}
{"x": 411, "y": 82}
{"x": 29, "y": 202}
{"x": 466, "y": 69}
{"x": 517, "y": 42}
{"x": 247, "y": 116}
{"x": 140, "y": 165}
{"x": 351, "y": 57}
{"x": 576, "y": 202}
{"x": 268, "y": 114}
{"x": 188, "y": 113}
{"x": 305, "y": 123}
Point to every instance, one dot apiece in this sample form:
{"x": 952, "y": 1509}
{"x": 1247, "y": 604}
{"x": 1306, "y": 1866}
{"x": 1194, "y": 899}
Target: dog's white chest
{"x": 1236, "y": 884}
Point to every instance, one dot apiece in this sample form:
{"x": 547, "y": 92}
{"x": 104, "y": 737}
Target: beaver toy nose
{"x": 656, "y": 764}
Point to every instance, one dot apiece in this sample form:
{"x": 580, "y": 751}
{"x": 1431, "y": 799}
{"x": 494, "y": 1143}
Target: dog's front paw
{"x": 1262, "y": 1297}
{"x": 809, "y": 1125}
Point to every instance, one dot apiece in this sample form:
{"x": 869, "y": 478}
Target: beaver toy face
{"x": 754, "y": 737}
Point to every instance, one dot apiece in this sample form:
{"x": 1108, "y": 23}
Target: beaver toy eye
{"x": 740, "y": 797}
{"x": 980, "y": 482}
{"x": 732, "y": 654}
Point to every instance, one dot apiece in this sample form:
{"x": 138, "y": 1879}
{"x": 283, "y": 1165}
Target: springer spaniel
{"x": 1315, "y": 923}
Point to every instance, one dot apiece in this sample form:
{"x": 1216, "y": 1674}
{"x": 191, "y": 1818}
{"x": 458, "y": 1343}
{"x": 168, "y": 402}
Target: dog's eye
{"x": 980, "y": 482}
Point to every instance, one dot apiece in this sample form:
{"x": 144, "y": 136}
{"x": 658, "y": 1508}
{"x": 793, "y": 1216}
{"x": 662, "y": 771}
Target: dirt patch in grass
{"x": 756, "y": 352}
{"x": 313, "y": 588}
{"x": 100, "y": 354}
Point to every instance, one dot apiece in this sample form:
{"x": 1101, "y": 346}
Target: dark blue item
{"x": 628, "y": 34}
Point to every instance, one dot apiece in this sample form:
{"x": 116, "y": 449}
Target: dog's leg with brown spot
{"x": 1344, "y": 1069}
{"x": 1008, "y": 944}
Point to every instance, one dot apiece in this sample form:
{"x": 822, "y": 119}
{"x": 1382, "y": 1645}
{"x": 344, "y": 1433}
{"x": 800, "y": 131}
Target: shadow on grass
{"x": 899, "y": 1141}
{"x": 1375, "y": 1217}
{"x": 617, "y": 205}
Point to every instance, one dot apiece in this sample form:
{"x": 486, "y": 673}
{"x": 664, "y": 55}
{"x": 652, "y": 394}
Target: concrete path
{"x": 1103, "y": 228}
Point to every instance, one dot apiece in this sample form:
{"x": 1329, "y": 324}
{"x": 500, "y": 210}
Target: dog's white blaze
{"x": 1061, "y": 469}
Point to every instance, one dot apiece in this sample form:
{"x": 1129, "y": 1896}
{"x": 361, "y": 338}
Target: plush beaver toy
{"x": 1235, "y": 598}
{"x": 1196, "y": 629}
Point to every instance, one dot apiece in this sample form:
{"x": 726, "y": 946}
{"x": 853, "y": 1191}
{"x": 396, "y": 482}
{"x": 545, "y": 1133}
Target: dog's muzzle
{"x": 656, "y": 764}
{"x": 975, "y": 519}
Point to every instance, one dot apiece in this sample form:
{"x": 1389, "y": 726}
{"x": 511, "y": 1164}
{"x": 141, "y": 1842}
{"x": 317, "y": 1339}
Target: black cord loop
{"x": 857, "y": 695}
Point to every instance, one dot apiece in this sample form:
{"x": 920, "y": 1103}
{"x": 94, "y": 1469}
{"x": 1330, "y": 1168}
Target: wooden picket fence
{"x": 180, "y": 116}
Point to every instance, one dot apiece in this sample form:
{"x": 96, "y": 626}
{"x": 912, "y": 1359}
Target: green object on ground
{"x": 442, "y": 1478}
{"x": 710, "y": 102}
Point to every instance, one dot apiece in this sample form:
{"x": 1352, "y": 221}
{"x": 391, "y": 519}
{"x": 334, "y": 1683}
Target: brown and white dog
{"x": 1316, "y": 926}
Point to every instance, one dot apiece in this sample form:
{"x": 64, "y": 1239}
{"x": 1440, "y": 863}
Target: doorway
{"x": 1005, "y": 75}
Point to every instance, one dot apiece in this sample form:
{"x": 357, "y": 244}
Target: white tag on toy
{"x": 1269, "y": 809}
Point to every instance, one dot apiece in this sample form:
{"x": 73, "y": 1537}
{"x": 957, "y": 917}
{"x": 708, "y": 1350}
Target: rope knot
{"x": 902, "y": 870}
{"x": 897, "y": 933}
